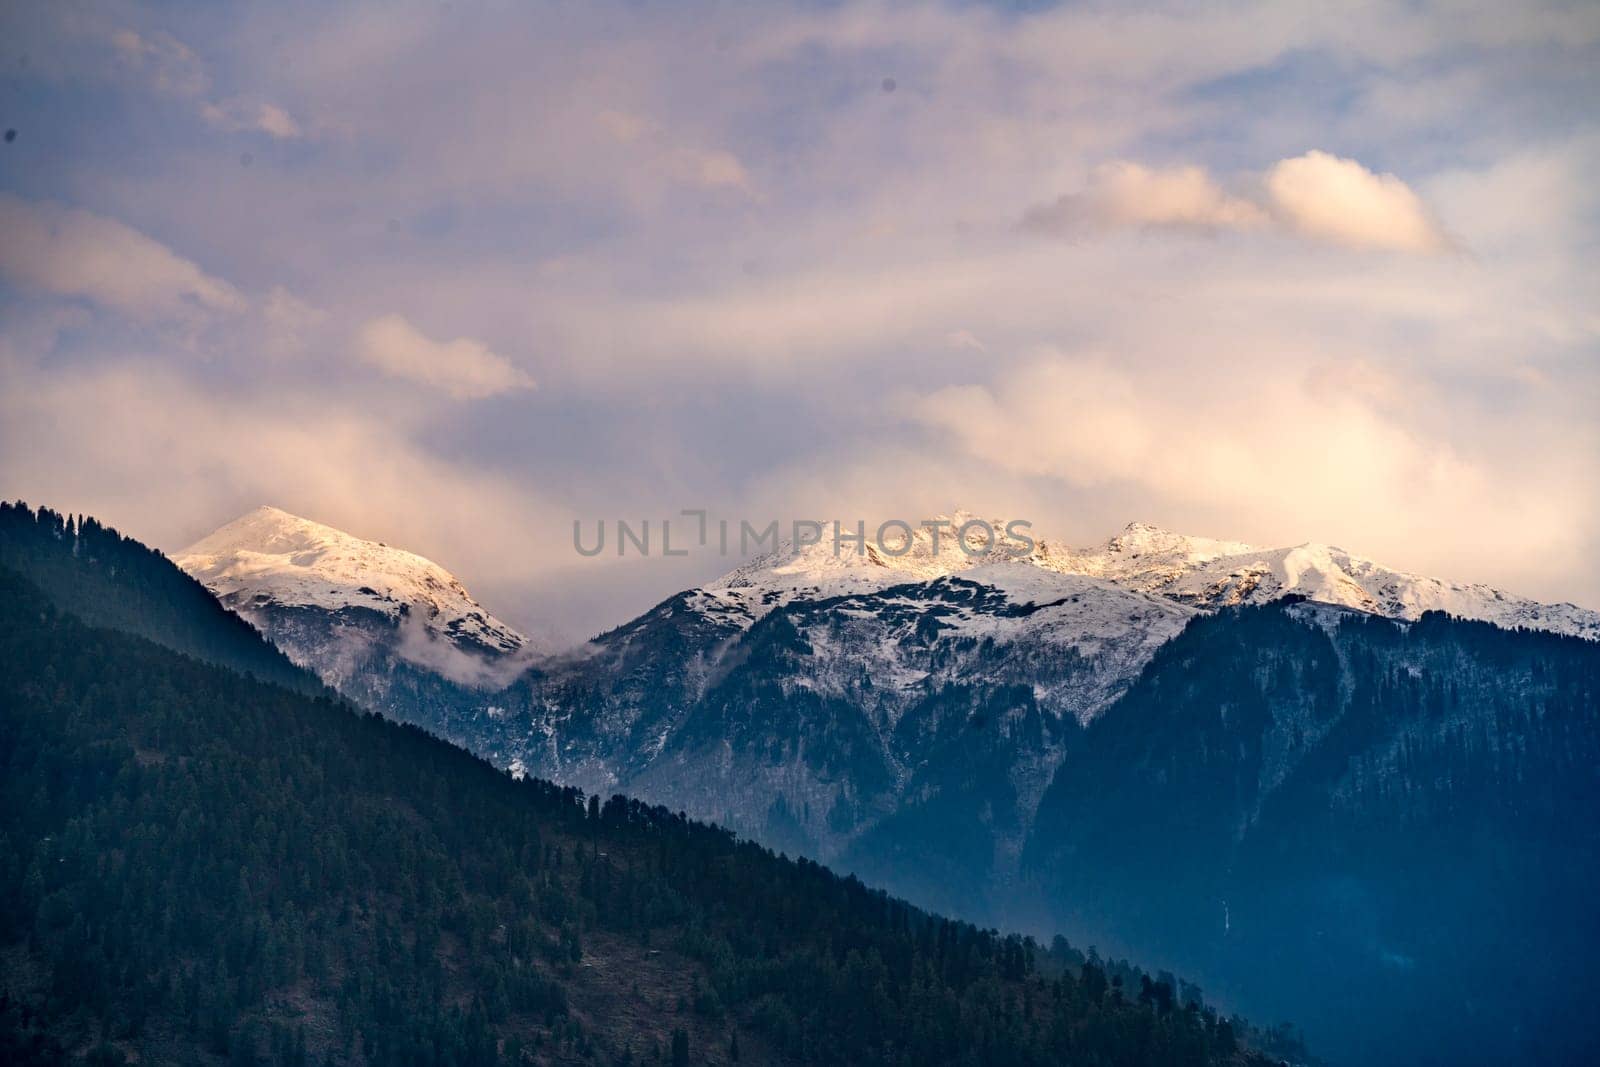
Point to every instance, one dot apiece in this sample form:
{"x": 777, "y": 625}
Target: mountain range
{"x": 208, "y": 858}
{"x": 806, "y": 695}
{"x": 1292, "y": 772}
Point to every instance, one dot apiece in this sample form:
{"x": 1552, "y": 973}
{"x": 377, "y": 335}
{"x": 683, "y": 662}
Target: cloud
{"x": 146, "y": 449}
{"x": 287, "y": 322}
{"x": 234, "y": 115}
{"x": 75, "y": 253}
{"x": 1340, "y": 452}
{"x": 464, "y": 368}
{"x": 623, "y": 126}
{"x": 706, "y": 168}
{"x": 164, "y": 62}
{"x": 167, "y": 66}
{"x": 714, "y": 170}
{"x": 1328, "y": 198}
{"x": 1128, "y": 194}
{"x": 1317, "y": 196}
{"x": 966, "y": 339}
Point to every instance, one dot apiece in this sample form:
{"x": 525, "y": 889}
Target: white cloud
{"x": 966, "y": 339}
{"x": 233, "y": 115}
{"x": 71, "y": 252}
{"x": 1317, "y": 196}
{"x": 707, "y": 168}
{"x": 287, "y": 323}
{"x": 714, "y": 169}
{"x": 165, "y": 65}
{"x": 164, "y": 62}
{"x": 464, "y": 368}
{"x": 1328, "y": 198}
{"x": 274, "y": 120}
{"x": 1128, "y": 194}
{"x": 624, "y": 127}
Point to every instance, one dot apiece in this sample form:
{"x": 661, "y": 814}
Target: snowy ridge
{"x": 1215, "y": 574}
{"x": 1200, "y": 572}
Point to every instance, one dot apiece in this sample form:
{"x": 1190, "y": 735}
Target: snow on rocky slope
{"x": 977, "y": 594}
{"x": 1195, "y": 571}
{"x": 1214, "y": 574}
{"x": 888, "y": 628}
{"x": 340, "y": 605}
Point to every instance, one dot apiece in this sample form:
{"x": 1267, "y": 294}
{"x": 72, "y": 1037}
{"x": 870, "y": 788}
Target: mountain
{"x": 998, "y": 739}
{"x": 1311, "y": 806}
{"x": 269, "y": 564}
{"x": 198, "y": 867}
{"x": 901, "y": 712}
{"x": 386, "y": 627}
{"x": 814, "y": 700}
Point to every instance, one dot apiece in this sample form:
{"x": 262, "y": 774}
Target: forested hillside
{"x": 110, "y": 580}
{"x": 1355, "y": 817}
{"x": 199, "y": 867}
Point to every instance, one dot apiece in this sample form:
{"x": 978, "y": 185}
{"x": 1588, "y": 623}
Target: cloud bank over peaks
{"x": 1317, "y": 196}
{"x": 1342, "y": 448}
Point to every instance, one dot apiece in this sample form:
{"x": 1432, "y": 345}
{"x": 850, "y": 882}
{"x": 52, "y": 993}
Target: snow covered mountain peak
{"x": 1145, "y": 539}
{"x": 1139, "y": 549}
{"x": 271, "y": 560}
{"x": 933, "y": 550}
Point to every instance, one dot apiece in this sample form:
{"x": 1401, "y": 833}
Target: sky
{"x": 454, "y": 275}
